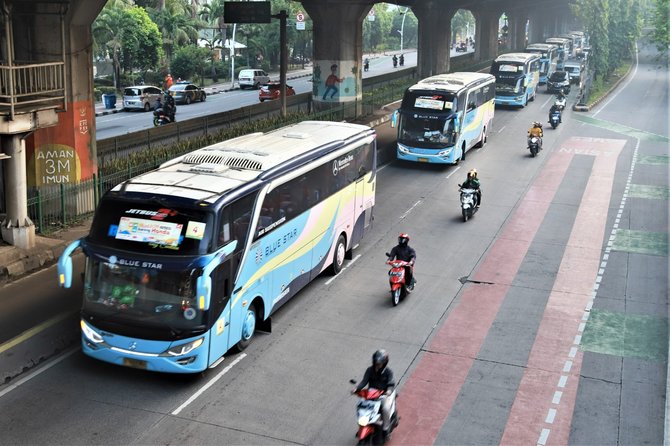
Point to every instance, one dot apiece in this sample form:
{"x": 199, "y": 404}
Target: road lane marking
{"x": 453, "y": 171}
{"x": 33, "y": 331}
{"x": 343, "y": 269}
{"x": 209, "y": 384}
{"x": 402, "y": 217}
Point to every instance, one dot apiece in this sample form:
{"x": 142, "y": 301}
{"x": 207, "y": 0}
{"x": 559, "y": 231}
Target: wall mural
{"x": 335, "y": 81}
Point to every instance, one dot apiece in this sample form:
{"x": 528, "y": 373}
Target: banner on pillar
{"x": 335, "y": 81}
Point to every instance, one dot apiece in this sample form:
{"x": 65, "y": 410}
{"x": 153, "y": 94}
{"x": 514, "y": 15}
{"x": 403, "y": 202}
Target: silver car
{"x": 141, "y": 97}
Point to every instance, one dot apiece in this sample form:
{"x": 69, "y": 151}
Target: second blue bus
{"x": 443, "y": 116}
{"x": 517, "y": 78}
{"x": 548, "y": 59}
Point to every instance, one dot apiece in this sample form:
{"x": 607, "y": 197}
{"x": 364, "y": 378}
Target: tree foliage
{"x": 189, "y": 61}
{"x": 660, "y": 20}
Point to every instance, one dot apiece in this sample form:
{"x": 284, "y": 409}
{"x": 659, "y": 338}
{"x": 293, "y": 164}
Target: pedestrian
{"x": 168, "y": 81}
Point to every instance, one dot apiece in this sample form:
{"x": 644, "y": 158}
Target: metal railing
{"x": 27, "y": 87}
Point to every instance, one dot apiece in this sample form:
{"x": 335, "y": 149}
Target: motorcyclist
{"x": 169, "y": 106}
{"x": 366, "y": 64}
{"x": 406, "y": 253}
{"x": 395, "y": 61}
{"x": 402, "y": 60}
{"x": 555, "y": 109}
{"x": 560, "y": 99}
{"x": 379, "y": 376}
{"x": 536, "y": 130}
{"x": 472, "y": 182}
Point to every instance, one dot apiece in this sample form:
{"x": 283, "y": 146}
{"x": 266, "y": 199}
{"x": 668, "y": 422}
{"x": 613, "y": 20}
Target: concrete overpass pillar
{"x": 486, "y": 35}
{"x": 434, "y": 36}
{"x": 537, "y": 28}
{"x": 338, "y": 53}
{"x": 17, "y": 228}
{"x": 517, "y": 30}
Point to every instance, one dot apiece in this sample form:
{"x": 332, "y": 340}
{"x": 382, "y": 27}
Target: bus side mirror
{"x": 65, "y": 265}
{"x": 394, "y": 119}
{"x": 203, "y": 284}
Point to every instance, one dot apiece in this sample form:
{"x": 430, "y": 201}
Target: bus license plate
{"x": 135, "y": 363}
{"x": 423, "y": 160}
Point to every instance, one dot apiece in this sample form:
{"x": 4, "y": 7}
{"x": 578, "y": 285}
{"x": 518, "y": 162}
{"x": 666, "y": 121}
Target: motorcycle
{"x": 468, "y": 205}
{"x": 534, "y": 145}
{"x": 555, "y": 119}
{"x": 369, "y": 416}
{"x": 161, "y": 118}
{"x": 561, "y": 102}
{"x": 399, "y": 289}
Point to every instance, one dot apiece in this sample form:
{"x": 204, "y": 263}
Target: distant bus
{"x": 548, "y": 58}
{"x": 571, "y": 47}
{"x": 185, "y": 262}
{"x": 517, "y": 78}
{"x": 563, "y": 45}
{"x": 443, "y": 116}
{"x": 579, "y": 40}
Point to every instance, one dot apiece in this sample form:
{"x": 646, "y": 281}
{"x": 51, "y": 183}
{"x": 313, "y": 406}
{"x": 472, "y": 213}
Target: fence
{"x": 31, "y": 85}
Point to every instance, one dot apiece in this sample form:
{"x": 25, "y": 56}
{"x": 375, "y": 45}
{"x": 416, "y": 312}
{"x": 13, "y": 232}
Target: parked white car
{"x": 141, "y": 97}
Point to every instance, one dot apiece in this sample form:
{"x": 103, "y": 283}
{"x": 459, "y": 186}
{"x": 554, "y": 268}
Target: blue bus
{"x": 548, "y": 58}
{"x": 517, "y": 78}
{"x": 443, "y": 116}
{"x": 187, "y": 261}
{"x": 564, "y": 49}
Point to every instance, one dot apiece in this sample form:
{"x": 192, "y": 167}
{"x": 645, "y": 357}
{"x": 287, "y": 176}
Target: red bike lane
{"x": 542, "y": 410}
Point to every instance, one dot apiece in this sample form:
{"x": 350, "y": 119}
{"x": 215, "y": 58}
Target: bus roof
{"x": 557, "y": 40}
{"x": 208, "y": 173}
{"x": 517, "y": 57}
{"x": 452, "y": 82}
{"x": 541, "y": 46}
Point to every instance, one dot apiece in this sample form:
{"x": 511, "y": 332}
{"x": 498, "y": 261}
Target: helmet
{"x": 403, "y": 238}
{"x": 380, "y": 357}
{"x": 537, "y": 124}
{"x": 472, "y": 174}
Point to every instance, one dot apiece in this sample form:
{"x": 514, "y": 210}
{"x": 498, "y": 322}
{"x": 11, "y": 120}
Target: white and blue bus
{"x": 517, "y": 78}
{"x": 548, "y": 58}
{"x": 443, "y": 116}
{"x": 187, "y": 261}
{"x": 564, "y": 49}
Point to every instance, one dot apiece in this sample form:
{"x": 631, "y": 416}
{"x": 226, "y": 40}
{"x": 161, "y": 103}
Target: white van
{"x": 574, "y": 69}
{"x": 141, "y": 97}
{"x": 252, "y": 78}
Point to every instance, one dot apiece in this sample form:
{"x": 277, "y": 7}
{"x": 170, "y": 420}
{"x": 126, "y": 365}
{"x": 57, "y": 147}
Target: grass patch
{"x": 601, "y": 88}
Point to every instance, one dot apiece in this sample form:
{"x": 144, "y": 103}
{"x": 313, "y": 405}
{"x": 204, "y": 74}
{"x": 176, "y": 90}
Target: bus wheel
{"x": 338, "y": 255}
{"x": 248, "y": 328}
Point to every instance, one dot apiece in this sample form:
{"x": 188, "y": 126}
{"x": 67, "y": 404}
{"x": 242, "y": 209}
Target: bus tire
{"x": 339, "y": 255}
{"x": 248, "y": 329}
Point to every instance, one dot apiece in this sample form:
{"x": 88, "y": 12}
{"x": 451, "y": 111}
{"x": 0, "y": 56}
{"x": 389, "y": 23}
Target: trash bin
{"x": 109, "y": 100}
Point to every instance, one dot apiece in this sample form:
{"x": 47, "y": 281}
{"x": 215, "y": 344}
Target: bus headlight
{"x": 183, "y": 349}
{"x": 444, "y": 152}
{"x": 403, "y": 149}
{"x": 91, "y": 334}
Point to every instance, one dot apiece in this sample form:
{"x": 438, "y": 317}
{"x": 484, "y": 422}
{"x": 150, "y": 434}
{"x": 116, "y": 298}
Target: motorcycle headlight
{"x": 183, "y": 349}
{"x": 364, "y": 420}
{"x": 91, "y": 334}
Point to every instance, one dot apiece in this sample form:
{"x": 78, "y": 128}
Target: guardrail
{"x": 27, "y": 87}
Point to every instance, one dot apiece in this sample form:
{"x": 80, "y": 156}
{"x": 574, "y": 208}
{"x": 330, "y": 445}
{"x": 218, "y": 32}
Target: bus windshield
{"x": 427, "y": 131}
{"x": 150, "y": 226}
{"x": 429, "y": 100}
{"x": 141, "y": 295}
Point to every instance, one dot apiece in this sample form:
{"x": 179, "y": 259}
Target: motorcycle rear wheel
{"x": 155, "y": 121}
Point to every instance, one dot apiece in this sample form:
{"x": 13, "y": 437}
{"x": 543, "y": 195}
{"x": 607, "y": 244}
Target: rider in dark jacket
{"x": 472, "y": 182}
{"x": 379, "y": 376}
{"x": 406, "y": 253}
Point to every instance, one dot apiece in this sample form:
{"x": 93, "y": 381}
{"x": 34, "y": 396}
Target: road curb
{"x": 588, "y": 107}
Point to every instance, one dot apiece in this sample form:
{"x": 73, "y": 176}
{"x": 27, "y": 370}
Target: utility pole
{"x": 283, "y": 58}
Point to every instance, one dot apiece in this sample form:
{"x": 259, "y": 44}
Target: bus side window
{"x": 240, "y": 215}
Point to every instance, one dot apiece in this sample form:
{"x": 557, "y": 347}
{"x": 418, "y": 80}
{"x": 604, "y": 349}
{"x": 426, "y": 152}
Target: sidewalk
{"x": 220, "y": 87}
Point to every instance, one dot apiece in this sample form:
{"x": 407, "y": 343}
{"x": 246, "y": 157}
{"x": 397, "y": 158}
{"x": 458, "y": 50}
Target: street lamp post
{"x": 402, "y": 26}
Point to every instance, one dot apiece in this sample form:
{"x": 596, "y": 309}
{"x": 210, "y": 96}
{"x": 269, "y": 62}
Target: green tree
{"x": 462, "y": 22}
{"x": 377, "y": 33}
{"x": 178, "y": 28}
{"x": 660, "y": 19}
{"x": 189, "y": 61}
{"x": 109, "y": 34}
{"x": 141, "y": 41}
{"x": 594, "y": 15}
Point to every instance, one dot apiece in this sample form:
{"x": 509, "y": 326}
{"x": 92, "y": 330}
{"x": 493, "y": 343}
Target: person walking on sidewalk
{"x": 168, "y": 81}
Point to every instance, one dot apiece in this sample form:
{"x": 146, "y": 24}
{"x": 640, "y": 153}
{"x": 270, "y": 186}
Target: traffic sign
{"x": 300, "y": 25}
{"x": 300, "y": 17}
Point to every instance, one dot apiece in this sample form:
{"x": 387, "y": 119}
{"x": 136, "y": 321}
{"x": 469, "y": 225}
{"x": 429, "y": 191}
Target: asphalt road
{"x": 567, "y": 250}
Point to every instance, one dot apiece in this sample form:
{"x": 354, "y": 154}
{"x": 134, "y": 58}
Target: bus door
{"x": 364, "y": 159}
{"x": 222, "y": 281}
